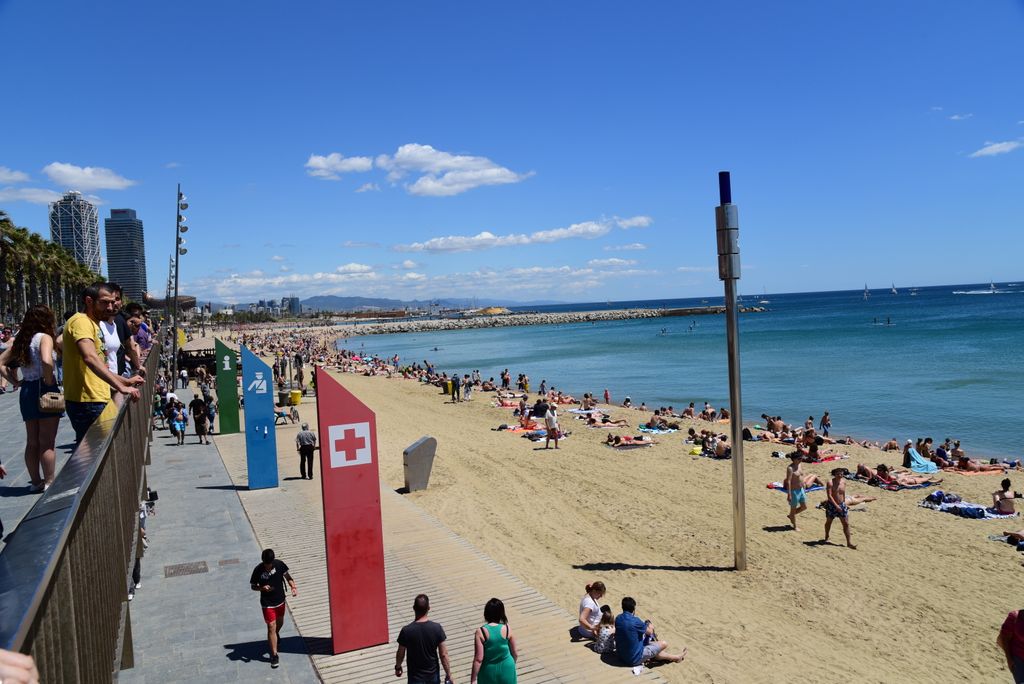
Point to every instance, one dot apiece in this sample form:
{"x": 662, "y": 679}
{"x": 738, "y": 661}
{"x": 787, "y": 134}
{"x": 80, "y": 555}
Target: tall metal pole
{"x": 174, "y": 309}
{"x": 727, "y": 228}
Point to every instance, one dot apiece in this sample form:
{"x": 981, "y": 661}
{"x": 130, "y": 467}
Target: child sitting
{"x": 605, "y": 642}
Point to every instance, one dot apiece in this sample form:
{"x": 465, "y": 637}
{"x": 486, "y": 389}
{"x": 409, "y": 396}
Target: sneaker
{"x": 131, "y": 594}
{"x": 36, "y": 488}
{"x": 138, "y": 585}
{"x": 275, "y": 661}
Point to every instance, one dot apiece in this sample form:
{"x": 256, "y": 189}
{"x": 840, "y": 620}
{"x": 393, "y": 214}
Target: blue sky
{"x": 528, "y": 151}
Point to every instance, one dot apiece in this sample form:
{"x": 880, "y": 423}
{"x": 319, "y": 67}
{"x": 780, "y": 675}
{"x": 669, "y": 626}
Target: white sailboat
{"x": 764, "y": 298}
{"x": 894, "y": 290}
{"x": 867, "y": 292}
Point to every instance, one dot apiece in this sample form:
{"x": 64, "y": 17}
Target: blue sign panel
{"x": 260, "y": 435}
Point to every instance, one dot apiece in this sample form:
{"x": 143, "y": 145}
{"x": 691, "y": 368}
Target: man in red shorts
{"x": 268, "y": 578}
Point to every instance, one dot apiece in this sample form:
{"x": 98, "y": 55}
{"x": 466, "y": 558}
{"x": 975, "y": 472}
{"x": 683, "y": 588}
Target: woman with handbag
{"x": 42, "y": 403}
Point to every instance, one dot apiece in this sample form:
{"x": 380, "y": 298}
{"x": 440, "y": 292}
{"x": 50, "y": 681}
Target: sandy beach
{"x": 923, "y": 594}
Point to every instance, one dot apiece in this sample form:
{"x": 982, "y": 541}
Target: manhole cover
{"x": 228, "y": 561}
{"x": 185, "y": 569}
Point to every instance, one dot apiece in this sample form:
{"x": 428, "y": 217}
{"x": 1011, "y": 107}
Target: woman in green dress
{"x": 494, "y": 653}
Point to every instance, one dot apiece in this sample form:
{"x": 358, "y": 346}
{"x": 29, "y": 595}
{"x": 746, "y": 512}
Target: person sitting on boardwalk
{"x": 494, "y": 648}
{"x": 605, "y": 642}
{"x": 424, "y": 641}
{"x": 590, "y": 611}
{"x": 630, "y": 633}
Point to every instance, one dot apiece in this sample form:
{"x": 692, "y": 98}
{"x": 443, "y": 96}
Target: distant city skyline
{"x": 126, "y": 252}
{"x": 571, "y": 155}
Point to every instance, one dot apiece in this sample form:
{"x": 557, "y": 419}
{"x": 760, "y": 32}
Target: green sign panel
{"x": 227, "y": 388}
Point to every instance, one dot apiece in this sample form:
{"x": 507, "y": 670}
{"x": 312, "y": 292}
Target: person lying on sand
{"x": 969, "y": 465}
{"x": 605, "y": 421}
{"x": 623, "y": 440}
{"x": 886, "y": 476}
{"x": 1002, "y": 499}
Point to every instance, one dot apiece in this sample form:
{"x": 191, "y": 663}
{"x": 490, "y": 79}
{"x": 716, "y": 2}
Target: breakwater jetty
{"x": 520, "y": 319}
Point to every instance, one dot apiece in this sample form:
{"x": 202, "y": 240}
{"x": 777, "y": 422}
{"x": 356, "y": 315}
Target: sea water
{"x": 933, "y": 364}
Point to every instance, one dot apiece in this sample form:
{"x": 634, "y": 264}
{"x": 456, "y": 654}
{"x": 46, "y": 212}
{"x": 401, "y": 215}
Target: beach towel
{"x": 1004, "y": 539}
{"x": 890, "y": 487}
{"x": 581, "y": 412}
{"x": 779, "y": 487}
{"x": 971, "y": 473}
{"x": 919, "y": 464}
{"x": 967, "y": 510}
{"x": 634, "y": 445}
{"x": 825, "y": 458}
{"x": 656, "y": 431}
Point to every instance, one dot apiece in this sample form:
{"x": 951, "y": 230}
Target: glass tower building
{"x": 75, "y": 226}
{"x": 126, "y": 252}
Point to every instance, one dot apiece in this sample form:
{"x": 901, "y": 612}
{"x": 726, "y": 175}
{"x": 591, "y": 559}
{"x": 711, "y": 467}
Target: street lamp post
{"x": 727, "y": 229}
{"x": 179, "y": 228}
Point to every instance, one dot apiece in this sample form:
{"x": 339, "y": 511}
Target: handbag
{"x": 51, "y": 402}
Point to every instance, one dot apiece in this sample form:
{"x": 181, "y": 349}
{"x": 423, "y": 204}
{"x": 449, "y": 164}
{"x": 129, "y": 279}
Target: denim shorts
{"x": 28, "y": 399}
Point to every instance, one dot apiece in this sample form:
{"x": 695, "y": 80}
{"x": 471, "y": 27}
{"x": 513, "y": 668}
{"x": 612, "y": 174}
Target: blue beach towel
{"x": 656, "y": 431}
{"x": 919, "y": 464}
{"x": 779, "y": 487}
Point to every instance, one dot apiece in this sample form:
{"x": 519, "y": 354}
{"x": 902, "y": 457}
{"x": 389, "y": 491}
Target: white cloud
{"x": 613, "y": 262}
{"x": 960, "y": 117}
{"x": 11, "y": 176}
{"x": 631, "y": 247}
{"x": 413, "y": 275}
{"x": 991, "y": 149}
{"x": 172, "y": 165}
{"x": 285, "y": 269}
{"x": 936, "y": 109}
{"x": 329, "y": 167}
{"x": 85, "y": 177}
{"x": 368, "y": 187}
{"x": 276, "y": 257}
{"x": 409, "y": 263}
{"x": 356, "y": 244}
{"x": 354, "y": 268}
{"x": 486, "y": 240}
{"x": 33, "y": 195}
{"x": 444, "y": 174}
{"x": 634, "y": 222}
{"x": 694, "y": 269}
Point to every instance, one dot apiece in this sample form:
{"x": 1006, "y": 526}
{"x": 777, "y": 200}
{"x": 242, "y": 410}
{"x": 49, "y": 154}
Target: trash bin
{"x": 296, "y": 397}
{"x": 447, "y": 386}
{"x": 282, "y": 397}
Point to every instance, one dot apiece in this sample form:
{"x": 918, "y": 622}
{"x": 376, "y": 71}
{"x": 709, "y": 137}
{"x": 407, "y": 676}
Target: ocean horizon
{"x": 931, "y": 361}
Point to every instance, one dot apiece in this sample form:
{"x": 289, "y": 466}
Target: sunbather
{"x": 625, "y": 440}
{"x": 1002, "y": 499}
{"x": 969, "y": 465}
{"x": 886, "y": 476}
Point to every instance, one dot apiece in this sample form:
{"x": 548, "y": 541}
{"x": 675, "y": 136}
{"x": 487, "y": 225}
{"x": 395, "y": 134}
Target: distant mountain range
{"x": 335, "y": 303}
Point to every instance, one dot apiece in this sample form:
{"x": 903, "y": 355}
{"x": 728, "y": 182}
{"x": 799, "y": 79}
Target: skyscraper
{"x": 126, "y": 252}
{"x": 75, "y": 226}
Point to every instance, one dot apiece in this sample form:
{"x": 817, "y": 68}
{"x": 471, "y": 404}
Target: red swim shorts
{"x": 273, "y": 613}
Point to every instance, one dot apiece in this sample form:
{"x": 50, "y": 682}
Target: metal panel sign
{"x": 227, "y": 388}
{"x": 260, "y": 433}
{"x": 352, "y": 522}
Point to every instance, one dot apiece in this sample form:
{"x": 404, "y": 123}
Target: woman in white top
{"x": 111, "y": 343}
{"x": 590, "y": 610}
{"x": 33, "y": 351}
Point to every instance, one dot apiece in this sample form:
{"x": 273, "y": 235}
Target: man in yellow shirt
{"x": 87, "y": 379}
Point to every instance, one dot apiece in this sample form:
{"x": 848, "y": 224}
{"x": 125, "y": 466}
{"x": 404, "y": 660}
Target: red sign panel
{"x": 352, "y": 524}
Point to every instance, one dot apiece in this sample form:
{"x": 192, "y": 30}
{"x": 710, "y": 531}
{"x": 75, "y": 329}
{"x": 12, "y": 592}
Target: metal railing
{"x": 64, "y": 574}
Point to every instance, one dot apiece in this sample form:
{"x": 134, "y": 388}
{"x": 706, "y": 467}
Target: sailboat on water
{"x": 764, "y": 298}
{"x": 894, "y": 290}
{"x": 867, "y": 292}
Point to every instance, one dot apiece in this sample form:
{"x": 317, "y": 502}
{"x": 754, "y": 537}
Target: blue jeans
{"x": 435, "y": 679}
{"x": 82, "y": 415}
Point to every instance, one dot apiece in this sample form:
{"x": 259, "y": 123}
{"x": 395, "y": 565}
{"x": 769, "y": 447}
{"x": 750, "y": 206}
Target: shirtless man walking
{"x": 795, "y": 488}
{"x": 835, "y": 505}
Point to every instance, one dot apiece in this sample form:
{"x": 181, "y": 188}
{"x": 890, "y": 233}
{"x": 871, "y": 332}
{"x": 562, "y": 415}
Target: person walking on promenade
{"x": 183, "y": 375}
{"x": 34, "y": 351}
{"x": 494, "y": 648}
{"x": 87, "y": 379}
{"x": 305, "y": 443}
{"x": 200, "y": 418}
{"x": 268, "y": 578}
{"x": 424, "y": 642}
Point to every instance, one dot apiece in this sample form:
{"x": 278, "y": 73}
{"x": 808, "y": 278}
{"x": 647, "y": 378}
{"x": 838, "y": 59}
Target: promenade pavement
{"x": 15, "y": 499}
{"x": 420, "y": 555}
{"x": 195, "y": 618}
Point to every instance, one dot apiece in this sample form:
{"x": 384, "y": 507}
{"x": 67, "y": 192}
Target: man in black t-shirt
{"x": 423, "y": 641}
{"x": 268, "y": 578}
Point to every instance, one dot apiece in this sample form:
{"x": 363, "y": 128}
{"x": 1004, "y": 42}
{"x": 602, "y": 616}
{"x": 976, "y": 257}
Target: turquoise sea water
{"x": 948, "y": 365}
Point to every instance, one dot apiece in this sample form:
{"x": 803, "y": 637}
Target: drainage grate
{"x": 202, "y": 476}
{"x": 185, "y": 569}
{"x": 228, "y": 561}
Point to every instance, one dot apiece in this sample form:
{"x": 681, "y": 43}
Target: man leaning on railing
{"x": 87, "y": 379}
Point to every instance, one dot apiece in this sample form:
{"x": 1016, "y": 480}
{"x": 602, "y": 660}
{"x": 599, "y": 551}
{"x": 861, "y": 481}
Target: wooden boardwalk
{"x": 421, "y": 555}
